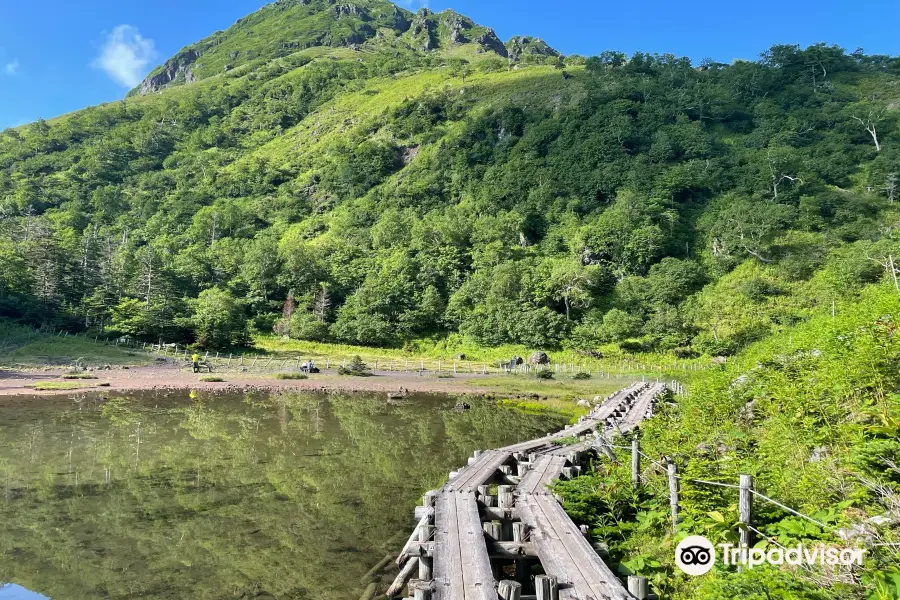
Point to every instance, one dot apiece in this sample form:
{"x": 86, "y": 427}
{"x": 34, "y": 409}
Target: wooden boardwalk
{"x": 494, "y": 530}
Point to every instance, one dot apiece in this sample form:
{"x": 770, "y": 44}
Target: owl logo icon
{"x": 695, "y": 555}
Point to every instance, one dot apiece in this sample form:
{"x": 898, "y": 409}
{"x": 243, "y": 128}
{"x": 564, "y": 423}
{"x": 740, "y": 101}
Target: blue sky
{"x": 57, "y": 55}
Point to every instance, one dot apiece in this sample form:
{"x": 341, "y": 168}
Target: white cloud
{"x": 125, "y": 55}
{"x": 12, "y": 67}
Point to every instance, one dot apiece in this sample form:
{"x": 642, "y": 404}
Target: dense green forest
{"x": 361, "y": 174}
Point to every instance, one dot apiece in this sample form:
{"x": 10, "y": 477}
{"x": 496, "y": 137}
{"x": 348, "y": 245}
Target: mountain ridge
{"x": 291, "y": 25}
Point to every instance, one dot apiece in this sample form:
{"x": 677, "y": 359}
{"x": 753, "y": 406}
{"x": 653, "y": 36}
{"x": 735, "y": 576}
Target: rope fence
{"x": 743, "y": 488}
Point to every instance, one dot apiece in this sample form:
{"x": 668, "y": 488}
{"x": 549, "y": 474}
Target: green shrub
{"x": 211, "y": 379}
{"x": 582, "y": 375}
{"x": 355, "y": 368}
{"x": 544, "y": 374}
{"x": 291, "y": 376}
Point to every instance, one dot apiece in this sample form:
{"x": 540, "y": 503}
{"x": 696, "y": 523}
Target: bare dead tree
{"x": 870, "y": 122}
{"x": 890, "y": 187}
{"x": 322, "y": 304}
{"x": 890, "y": 265}
{"x": 778, "y": 176}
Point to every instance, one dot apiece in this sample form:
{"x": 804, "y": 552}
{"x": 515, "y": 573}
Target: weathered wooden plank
{"x": 589, "y": 423}
{"x": 564, "y": 450}
{"x": 544, "y": 470}
{"x": 479, "y": 472}
{"x": 477, "y": 573}
{"x": 462, "y": 568}
{"x": 565, "y": 553}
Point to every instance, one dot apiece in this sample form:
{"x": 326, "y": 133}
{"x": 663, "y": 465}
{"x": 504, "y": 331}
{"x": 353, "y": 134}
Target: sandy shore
{"x": 161, "y": 377}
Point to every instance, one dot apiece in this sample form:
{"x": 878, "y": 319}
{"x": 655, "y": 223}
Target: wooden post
{"x": 635, "y": 462}
{"x": 546, "y": 587}
{"x": 519, "y": 531}
{"x": 376, "y": 365}
{"x": 492, "y": 529}
{"x": 745, "y": 507}
{"x": 505, "y": 497}
{"x": 638, "y": 587}
{"x": 673, "y": 494}
{"x": 509, "y": 590}
{"x": 425, "y": 562}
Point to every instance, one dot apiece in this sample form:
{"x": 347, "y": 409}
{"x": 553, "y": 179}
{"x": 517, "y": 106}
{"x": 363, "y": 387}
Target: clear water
{"x": 166, "y": 495}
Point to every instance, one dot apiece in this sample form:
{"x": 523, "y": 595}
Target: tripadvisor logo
{"x": 696, "y": 555}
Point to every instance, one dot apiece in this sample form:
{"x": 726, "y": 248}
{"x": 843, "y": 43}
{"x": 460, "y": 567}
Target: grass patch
{"x": 21, "y": 347}
{"x": 567, "y": 389}
{"x": 79, "y": 376}
{"x": 46, "y": 386}
{"x": 291, "y": 376}
{"x": 211, "y": 379}
{"x": 550, "y": 407}
{"x": 448, "y": 349}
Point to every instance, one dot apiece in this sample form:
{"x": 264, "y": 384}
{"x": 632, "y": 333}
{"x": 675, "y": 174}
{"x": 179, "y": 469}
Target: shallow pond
{"x": 177, "y": 495}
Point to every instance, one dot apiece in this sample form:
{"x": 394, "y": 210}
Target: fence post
{"x": 637, "y": 587}
{"x": 673, "y": 495}
{"x": 546, "y": 587}
{"x": 635, "y": 462}
{"x": 745, "y": 507}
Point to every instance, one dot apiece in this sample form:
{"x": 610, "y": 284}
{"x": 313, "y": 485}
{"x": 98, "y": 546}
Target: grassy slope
{"x": 22, "y": 348}
{"x": 811, "y": 413}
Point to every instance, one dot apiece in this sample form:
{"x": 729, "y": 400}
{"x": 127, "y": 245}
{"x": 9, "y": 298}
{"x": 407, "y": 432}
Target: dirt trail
{"x": 171, "y": 377}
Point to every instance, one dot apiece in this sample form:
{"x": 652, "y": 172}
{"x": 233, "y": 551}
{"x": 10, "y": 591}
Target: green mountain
{"x": 358, "y": 173}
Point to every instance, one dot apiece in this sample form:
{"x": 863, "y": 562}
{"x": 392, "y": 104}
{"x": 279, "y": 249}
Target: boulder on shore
{"x": 539, "y": 358}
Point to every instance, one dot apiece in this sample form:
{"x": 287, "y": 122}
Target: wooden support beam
{"x": 401, "y": 579}
{"x": 424, "y": 521}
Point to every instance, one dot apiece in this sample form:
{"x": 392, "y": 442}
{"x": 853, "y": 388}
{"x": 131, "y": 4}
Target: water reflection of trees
{"x": 292, "y": 495}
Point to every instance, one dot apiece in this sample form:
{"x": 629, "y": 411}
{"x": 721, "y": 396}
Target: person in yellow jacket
{"x": 195, "y": 358}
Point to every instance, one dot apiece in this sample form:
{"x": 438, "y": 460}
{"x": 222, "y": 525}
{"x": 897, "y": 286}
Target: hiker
{"x": 195, "y": 358}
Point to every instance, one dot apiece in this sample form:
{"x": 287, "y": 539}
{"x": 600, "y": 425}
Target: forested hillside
{"x": 362, "y": 174}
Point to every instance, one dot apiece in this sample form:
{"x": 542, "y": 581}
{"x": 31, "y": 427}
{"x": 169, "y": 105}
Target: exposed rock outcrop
{"x": 351, "y": 10}
{"x": 176, "y": 70}
{"x": 525, "y": 46}
{"x": 456, "y": 26}
{"x": 489, "y": 41}
{"x": 423, "y": 30}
